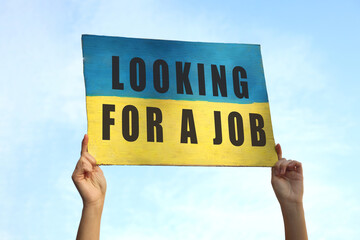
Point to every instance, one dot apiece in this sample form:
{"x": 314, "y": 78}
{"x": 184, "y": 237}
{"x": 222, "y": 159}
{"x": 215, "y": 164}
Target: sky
{"x": 310, "y": 54}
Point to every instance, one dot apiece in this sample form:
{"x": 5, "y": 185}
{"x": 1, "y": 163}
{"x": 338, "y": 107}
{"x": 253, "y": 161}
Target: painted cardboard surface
{"x": 160, "y": 102}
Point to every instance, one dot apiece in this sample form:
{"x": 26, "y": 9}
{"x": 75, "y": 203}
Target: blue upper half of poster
{"x": 178, "y": 70}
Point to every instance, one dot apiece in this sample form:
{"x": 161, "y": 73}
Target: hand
{"x": 287, "y": 180}
{"x": 88, "y": 178}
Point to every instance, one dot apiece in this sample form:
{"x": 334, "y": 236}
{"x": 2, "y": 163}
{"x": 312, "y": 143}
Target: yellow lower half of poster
{"x": 137, "y": 131}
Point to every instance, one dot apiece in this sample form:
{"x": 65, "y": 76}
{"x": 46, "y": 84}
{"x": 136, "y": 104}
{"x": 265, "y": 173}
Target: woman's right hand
{"x": 88, "y": 178}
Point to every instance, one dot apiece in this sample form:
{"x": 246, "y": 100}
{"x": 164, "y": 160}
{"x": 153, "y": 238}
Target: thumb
{"x": 84, "y": 144}
{"x": 278, "y": 151}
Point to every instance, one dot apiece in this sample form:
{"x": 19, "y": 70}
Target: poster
{"x": 161, "y": 102}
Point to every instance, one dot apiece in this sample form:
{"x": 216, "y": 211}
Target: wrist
{"x": 292, "y": 207}
{"x": 98, "y": 204}
{"x": 285, "y": 203}
{"x": 93, "y": 211}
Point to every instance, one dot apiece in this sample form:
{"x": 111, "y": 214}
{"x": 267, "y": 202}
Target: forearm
{"x": 89, "y": 227}
{"x": 294, "y": 221}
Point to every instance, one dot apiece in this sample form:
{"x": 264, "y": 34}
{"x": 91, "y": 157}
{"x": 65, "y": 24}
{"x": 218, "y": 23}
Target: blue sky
{"x": 310, "y": 52}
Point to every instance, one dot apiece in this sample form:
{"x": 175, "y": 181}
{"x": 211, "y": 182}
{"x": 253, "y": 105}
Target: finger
{"x": 278, "y": 151}
{"x": 84, "y": 144}
{"x": 89, "y": 157}
{"x": 99, "y": 170}
{"x": 296, "y": 166}
{"x": 83, "y": 166}
{"x": 277, "y": 165}
{"x": 283, "y": 166}
{"x": 274, "y": 171}
{"x": 291, "y": 166}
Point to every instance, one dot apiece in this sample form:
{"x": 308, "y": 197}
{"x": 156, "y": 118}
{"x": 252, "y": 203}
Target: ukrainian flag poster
{"x": 161, "y": 102}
